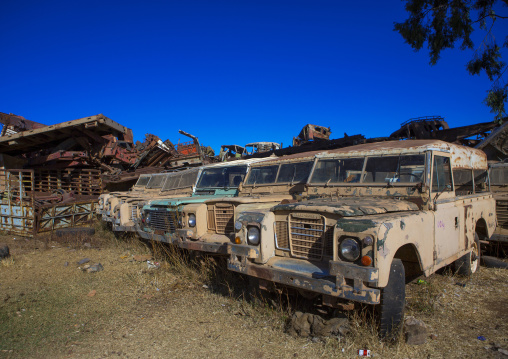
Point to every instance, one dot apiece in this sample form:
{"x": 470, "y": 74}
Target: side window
{"x": 480, "y": 181}
{"x": 441, "y": 174}
{"x": 463, "y": 180}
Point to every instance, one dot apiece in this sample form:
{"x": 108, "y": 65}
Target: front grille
{"x": 133, "y": 212}
{"x": 162, "y": 220}
{"x": 221, "y": 218}
{"x": 502, "y": 214}
{"x": 282, "y": 236}
{"x": 306, "y": 237}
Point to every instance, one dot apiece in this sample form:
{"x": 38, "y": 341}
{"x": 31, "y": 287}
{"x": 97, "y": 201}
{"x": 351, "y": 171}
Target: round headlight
{"x": 253, "y": 236}
{"x": 238, "y": 225}
{"x": 350, "y": 249}
{"x": 148, "y": 218}
{"x": 192, "y": 220}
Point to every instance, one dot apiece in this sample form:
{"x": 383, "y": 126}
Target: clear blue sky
{"x": 227, "y": 71}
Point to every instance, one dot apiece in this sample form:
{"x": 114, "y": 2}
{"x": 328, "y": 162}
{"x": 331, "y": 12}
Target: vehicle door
{"x": 447, "y": 217}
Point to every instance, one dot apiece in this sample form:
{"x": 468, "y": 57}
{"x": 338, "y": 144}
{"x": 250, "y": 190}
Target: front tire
{"x": 393, "y": 302}
{"x": 469, "y": 263}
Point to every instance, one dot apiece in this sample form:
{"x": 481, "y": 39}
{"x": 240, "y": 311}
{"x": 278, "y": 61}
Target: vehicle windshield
{"x": 376, "y": 169}
{"x": 222, "y": 177}
{"x": 142, "y": 180}
{"x": 181, "y": 180}
{"x": 284, "y": 173}
{"x": 156, "y": 181}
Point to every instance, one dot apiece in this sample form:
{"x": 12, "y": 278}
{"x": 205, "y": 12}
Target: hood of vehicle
{"x": 350, "y": 207}
{"x": 177, "y": 201}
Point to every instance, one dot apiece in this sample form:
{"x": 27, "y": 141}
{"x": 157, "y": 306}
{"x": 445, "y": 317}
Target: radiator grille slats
{"x": 221, "y": 218}
{"x": 211, "y": 217}
{"x": 281, "y": 231}
{"x": 502, "y": 214}
{"x": 162, "y": 220}
{"x": 133, "y": 211}
{"x": 306, "y": 238}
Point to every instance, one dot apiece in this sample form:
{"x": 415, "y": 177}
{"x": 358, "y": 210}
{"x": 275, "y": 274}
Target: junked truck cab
{"x": 151, "y": 189}
{"x": 381, "y": 212}
{"x": 138, "y": 188}
{"x": 159, "y": 218}
{"x": 267, "y": 183}
{"x": 177, "y": 184}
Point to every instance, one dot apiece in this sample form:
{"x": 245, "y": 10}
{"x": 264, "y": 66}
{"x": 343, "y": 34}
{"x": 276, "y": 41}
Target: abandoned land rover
{"x": 376, "y": 216}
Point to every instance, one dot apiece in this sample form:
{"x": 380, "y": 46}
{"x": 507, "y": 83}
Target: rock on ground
{"x": 312, "y": 325}
{"x": 415, "y": 331}
{"x": 4, "y": 251}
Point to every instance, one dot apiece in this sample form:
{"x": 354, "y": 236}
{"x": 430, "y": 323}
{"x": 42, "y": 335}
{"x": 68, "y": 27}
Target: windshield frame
{"x": 181, "y": 174}
{"x": 222, "y": 168}
{"x": 149, "y": 176}
{"x": 155, "y": 175}
{"x": 279, "y": 167}
{"x": 366, "y": 158}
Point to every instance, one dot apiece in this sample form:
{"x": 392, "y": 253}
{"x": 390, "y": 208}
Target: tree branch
{"x": 490, "y": 15}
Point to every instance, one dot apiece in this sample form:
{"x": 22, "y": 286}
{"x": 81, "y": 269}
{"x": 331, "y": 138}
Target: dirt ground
{"x": 49, "y": 307}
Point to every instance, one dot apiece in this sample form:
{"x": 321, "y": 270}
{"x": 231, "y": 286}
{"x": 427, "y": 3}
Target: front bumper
{"x": 164, "y": 238}
{"x": 209, "y": 243}
{"x": 304, "y": 275}
{"x": 120, "y": 228}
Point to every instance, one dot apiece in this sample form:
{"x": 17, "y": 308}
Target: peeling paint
{"x": 355, "y": 225}
{"x": 381, "y": 241}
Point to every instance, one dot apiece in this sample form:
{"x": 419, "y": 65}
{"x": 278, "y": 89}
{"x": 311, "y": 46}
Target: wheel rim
{"x": 474, "y": 257}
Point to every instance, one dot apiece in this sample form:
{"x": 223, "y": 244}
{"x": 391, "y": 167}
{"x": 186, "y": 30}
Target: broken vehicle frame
{"x": 26, "y": 211}
{"x": 342, "y": 244}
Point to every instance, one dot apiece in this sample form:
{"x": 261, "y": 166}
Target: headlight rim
{"x": 253, "y": 242}
{"x": 192, "y": 217}
{"x": 350, "y": 240}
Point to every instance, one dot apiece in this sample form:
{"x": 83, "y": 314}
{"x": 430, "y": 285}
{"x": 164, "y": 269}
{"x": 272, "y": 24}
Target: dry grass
{"x": 194, "y": 307}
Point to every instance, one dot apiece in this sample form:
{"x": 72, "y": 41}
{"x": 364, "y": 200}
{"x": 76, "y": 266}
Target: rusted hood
{"x": 350, "y": 207}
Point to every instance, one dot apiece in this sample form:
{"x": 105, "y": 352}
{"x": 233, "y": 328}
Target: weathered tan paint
{"x": 439, "y": 226}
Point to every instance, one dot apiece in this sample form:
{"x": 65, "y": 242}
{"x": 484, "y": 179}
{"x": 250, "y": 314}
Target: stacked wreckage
{"x": 51, "y": 176}
{"x": 345, "y": 220}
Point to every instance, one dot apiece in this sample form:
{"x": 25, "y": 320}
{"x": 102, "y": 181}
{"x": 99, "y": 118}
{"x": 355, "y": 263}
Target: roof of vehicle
{"x": 462, "y": 157}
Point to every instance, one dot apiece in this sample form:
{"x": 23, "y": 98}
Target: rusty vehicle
{"x": 376, "y": 215}
{"x": 267, "y": 184}
{"x": 498, "y": 173}
{"x": 311, "y": 133}
{"x": 177, "y": 184}
{"x": 152, "y": 189}
{"x": 260, "y": 147}
{"x": 160, "y": 218}
{"x": 138, "y": 188}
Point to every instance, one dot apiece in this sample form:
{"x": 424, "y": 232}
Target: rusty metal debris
{"x": 435, "y": 127}
{"x": 51, "y": 176}
{"x": 310, "y": 133}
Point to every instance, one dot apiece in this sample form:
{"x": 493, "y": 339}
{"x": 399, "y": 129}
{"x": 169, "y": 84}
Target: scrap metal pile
{"x": 51, "y": 176}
